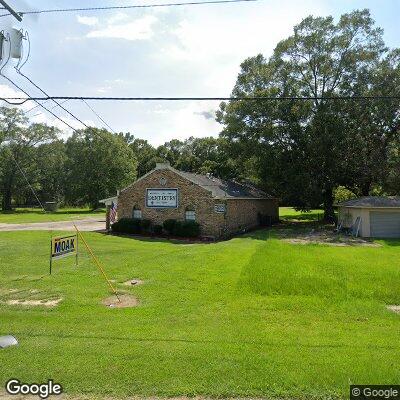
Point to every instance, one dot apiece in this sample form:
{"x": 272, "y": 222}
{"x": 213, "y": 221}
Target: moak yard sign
{"x": 64, "y": 247}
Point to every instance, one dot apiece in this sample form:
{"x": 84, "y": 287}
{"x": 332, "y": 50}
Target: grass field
{"x": 252, "y": 316}
{"x": 31, "y": 215}
{"x": 290, "y": 214}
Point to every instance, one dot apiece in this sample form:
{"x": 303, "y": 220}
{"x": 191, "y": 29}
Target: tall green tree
{"x": 302, "y": 148}
{"x": 19, "y": 143}
{"x": 146, "y": 155}
{"x": 99, "y": 163}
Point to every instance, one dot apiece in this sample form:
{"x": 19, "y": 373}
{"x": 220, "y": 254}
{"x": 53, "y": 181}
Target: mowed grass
{"x": 290, "y": 214}
{"x": 32, "y": 215}
{"x": 252, "y": 316}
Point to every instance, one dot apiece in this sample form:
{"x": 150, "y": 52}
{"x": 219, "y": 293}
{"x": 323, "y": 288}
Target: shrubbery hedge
{"x": 182, "y": 228}
{"x": 171, "y": 226}
{"x": 157, "y": 229}
{"x": 131, "y": 225}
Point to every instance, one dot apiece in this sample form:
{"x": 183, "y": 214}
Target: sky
{"x": 189, "y": 51}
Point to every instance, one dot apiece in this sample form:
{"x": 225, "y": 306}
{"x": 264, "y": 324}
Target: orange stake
{"x": 97, "y": 262}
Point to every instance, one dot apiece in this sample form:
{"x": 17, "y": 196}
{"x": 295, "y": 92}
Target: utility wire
{"x": 55, "y": 101}
{"x": 41, "y": 112}
{"x": 65, "y": 109}
{"x": 31, "y": 109}
{"x": 37, "y": 106}
{"x": 22, "y": 100}
{"x": 29, "y": 98}
{"x": 98, "y": 116}
{"x": 27, "y": 181}
{"x": 192, "y": 3}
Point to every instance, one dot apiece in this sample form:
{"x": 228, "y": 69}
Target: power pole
{"x": 11, "y": 11}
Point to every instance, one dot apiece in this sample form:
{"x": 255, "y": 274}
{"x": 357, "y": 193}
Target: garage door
{"x": 385, "y": 224}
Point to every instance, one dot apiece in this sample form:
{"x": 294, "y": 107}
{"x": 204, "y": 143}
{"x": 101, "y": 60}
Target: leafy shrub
{"x": 157, "y": 229}
{"x": 187, "y": 229}
{"x": 127, "y": 225}
{"x": 343, "y": 194}
{"x": 146, "y": 225}
{"x": 170, "y": 225}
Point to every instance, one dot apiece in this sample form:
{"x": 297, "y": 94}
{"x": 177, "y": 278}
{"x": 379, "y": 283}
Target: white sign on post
{"x": 162, "y": 198}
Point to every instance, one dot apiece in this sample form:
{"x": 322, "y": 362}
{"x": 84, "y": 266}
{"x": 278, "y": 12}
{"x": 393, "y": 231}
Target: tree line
{"x": 303, "y": 151}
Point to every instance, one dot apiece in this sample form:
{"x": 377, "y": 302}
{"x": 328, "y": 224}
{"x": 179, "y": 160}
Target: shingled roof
{"x": 223, "y": 188}
{"x": 373, "y": 201}
{"x": 220, "y": 189}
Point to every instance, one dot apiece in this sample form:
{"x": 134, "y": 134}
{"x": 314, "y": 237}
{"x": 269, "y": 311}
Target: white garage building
{"x": 373, "y": 216}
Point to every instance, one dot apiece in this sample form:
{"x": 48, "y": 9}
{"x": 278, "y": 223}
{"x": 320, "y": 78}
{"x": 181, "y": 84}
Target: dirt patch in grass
{"x": 323, "y": 236}
{"x": 34, "y": 303}
{"x": 394, "y": 308}
{"x": 29, "y": 297}
{"x": 126, "y": 301}
{"x": 133, "y": 282}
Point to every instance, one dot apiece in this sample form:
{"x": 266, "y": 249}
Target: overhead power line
{"x": 10, "y": 10}
{"x": 22, "y": 100}
{"x": 29, "y": 98}
{"x": 109, "y": 8}
{"x": 60, "y": 104}
{"x": 98, "y": 116}
{"x": 54, "y": 100}
{"x": 41, "y": 112}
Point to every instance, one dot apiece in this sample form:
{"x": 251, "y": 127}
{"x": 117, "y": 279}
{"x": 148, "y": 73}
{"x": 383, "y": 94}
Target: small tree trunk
{"x": 365, "y": 188}
{"x": 329, "y": 212}
{"x": 6, "y": 203}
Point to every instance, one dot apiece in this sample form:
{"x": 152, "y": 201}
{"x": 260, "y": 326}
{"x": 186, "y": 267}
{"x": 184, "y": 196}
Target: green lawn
{"x": 252, "y": 316}
{"x": 30, "y": 215}
{"x": 290, "y": 214}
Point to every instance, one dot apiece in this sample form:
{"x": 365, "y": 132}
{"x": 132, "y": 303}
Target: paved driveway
{"x": 86, "y": 224}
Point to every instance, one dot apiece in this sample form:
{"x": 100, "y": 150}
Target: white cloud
{"x": 215, "y": 44}
{"x": 117, "y": 18}
{"x": 7, "y": 91}
{"x": 90, "y": 21}
{"x": 161, "y": 123}
{"x": 139, "y": 29}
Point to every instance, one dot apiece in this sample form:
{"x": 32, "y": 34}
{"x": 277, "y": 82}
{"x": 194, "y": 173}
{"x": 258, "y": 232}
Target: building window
{"x": 190, "y": 215}
{"x": 137, "y": 213}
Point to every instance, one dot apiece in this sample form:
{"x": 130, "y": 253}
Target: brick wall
{"x": 239, "y": 213}
{"x": 243, "y": 213}
{"x": 190, "y": 196}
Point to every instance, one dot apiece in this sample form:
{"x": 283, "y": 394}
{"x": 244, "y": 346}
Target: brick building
{"x": 220, "y": 207}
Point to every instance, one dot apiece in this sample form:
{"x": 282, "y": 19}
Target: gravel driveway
{"x": 86, "y": 224}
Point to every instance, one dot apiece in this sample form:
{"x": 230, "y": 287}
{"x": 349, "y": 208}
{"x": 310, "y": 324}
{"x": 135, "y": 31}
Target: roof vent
{"x": 163, "y": 165}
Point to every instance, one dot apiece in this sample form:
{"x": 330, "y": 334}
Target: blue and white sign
{"x": 162, "y": 198}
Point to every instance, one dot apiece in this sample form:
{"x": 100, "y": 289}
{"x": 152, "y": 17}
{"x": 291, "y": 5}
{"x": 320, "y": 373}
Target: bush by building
{"x": 127, "y": 225}
{"x": 157, "y": 229}
{"x": 187, "y": 229}
{"x": 169, "y": 226}
{"x": 182, "y": 228}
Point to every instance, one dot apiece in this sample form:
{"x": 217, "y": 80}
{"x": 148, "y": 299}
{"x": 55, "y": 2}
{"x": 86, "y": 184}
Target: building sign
{"x": 162, "y": 198}
{"x": 220, "y": 208}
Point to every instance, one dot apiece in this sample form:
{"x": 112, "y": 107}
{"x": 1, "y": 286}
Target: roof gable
{"x": 220, "y": 189}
